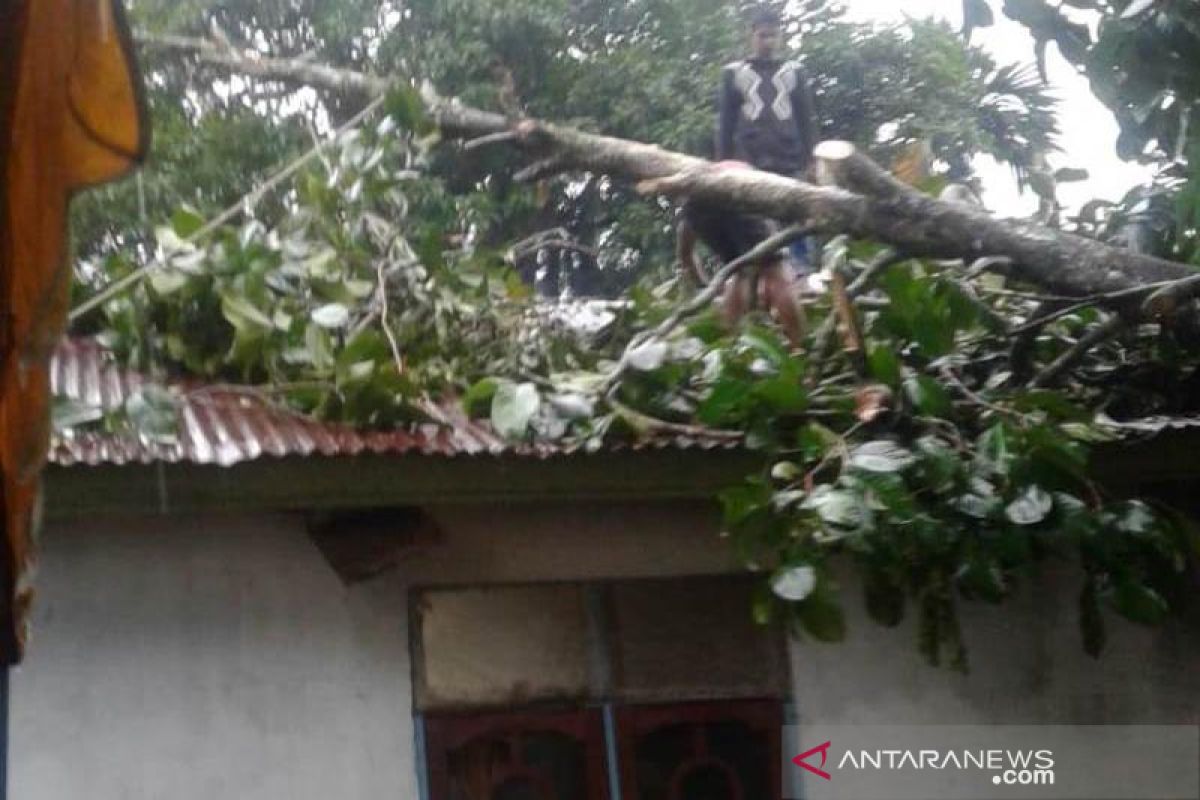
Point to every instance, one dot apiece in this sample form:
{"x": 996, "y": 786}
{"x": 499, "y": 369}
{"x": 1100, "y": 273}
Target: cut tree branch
{"x": 859, "y": 199}
{"x": 286, "y": 70}
{"x": 866, "y": 202}
{"x": 1067, "y": 361}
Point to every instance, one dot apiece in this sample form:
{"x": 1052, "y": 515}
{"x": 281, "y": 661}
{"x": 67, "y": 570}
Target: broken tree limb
{"x": 1067, "y": 361}
{"x": 853, "y": 344}
{"x": 882, "y": 261}
{"x": 865, "y": 202}
{"x": 1052, "y": 259}
{"x": 1165, "y": 302}
{"x": 287, "y": 70}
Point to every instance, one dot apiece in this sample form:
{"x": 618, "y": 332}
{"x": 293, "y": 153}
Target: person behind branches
{"x": 765, "y": 119}
{"x": 731, "y": 234}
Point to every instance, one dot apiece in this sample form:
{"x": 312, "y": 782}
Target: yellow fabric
{"x": 71, "y": 115}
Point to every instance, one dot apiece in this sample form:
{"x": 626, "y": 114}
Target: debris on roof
{"x": 227, "y": 424}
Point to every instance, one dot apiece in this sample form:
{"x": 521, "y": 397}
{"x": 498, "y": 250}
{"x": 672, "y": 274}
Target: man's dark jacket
{"x": 766, "y": 115}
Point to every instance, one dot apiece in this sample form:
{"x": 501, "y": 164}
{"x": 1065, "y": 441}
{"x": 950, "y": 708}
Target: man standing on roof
{"x": 766, "y": 115}
{"x": 765, "y": 120}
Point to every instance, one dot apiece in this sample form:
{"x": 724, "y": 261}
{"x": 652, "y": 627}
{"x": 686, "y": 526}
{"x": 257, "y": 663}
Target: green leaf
{"x": 884, "y": 364}
{"x": 404, "y": 104}
{"x": 975, "y": 505}
{"x": 1030, "y": 507}
{"x": 322, "y": 264}
{"x": 1070, "y": 175}
{"x": 648, "y": 355}
{"x": 881, "y": 456}
{"x": 186, "y": 221}
{"x": 767, "y": 344}
{"x": 513, "y": 406}
{"x": 480, "y": 395}
{"x": 1139, "y": 603}
{"x": 992, "y": 450}
{"x": 319, "y": 347}
{"x": 165, "y": 281}
{"x": 783, "y": 393}
{"x": 940, "y": 465}
{"x": 794, "y": 583}
{"x": 366, "y": 345}
{"x": 1093, "y": 434}
{"x": 726, "y": 398}
{"x": 814, "y": 441}
{"x": 835, "y": 507}
{"x": 1053, "y": 403}
{"x": 242, "y": 314}
{"x": 1137, "y": 518}
{"x": 982, "y": 579}
{"x": 762, "y": 605}
{"x": 976, "y": 14}
{"x": 928, "y": 396}
{"x": 154, "y": 413}
{"x": 67, "y": 413}
{"x": 821, "y": 617}
{"x": 785, "y": 471}
{"x": 739, "y": 503}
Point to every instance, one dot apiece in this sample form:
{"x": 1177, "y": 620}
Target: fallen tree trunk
{"x": 863, "y": 200}
{"x": 858, "y": 197}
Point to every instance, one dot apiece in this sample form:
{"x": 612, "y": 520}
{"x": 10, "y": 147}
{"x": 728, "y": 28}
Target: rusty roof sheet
{"x": 224, "y": 424}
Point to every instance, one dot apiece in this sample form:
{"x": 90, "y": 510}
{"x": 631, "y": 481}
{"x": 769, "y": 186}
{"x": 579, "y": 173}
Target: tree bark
{"x": 286, "y": 70}
{"x": 857, "y": 197}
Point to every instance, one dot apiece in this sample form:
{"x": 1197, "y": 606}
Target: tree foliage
{"x": 1143, "y": 63}
{"x": 639, "y": 70}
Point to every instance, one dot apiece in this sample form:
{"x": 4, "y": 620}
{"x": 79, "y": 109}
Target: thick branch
{"x": 1057, "y": 261}
{"x": 1065, "y": 362}
{"x": 287, "y": 70}
{"x": 867, "y": 203}
{"x": 864, "y": 202}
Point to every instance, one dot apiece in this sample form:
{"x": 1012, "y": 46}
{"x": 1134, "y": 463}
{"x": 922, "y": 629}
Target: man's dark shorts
{"x": 727, "y": 233}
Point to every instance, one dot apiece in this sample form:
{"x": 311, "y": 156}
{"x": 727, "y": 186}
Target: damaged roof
{"x": 227, "y": 424}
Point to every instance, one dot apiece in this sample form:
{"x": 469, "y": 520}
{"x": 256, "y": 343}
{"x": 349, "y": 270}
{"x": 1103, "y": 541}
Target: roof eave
{"x": 342, "y": 482}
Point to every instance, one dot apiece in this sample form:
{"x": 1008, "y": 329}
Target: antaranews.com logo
{"x": 1006, "y": 767}
{"x": 992, "y": 762}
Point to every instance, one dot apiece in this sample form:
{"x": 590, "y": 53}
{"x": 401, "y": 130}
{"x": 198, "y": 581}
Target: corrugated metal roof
{"x": 222, "y": 424}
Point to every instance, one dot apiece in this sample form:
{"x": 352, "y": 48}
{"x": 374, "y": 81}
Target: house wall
{"x": 221, "y": 657}
{"x": 207, "y": 658}
{"x": 1027, "y": 666}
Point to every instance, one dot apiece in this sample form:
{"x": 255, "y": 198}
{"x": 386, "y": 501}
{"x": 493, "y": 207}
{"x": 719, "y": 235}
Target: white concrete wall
{"x": 211, "y": 658}
{"x": 221, "y": 657}
{"x": 1027, "y": 665}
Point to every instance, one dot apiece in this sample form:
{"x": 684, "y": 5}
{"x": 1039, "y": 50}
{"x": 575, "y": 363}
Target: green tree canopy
{"x": 1143, "y": 63}
{"x": 640, "y": 70}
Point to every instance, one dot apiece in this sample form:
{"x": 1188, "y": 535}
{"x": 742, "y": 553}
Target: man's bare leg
{"x": 780, "y": 299}
{"x": 735, "y": 300}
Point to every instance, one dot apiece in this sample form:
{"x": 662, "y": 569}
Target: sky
{"x": 1089, "y": 132}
